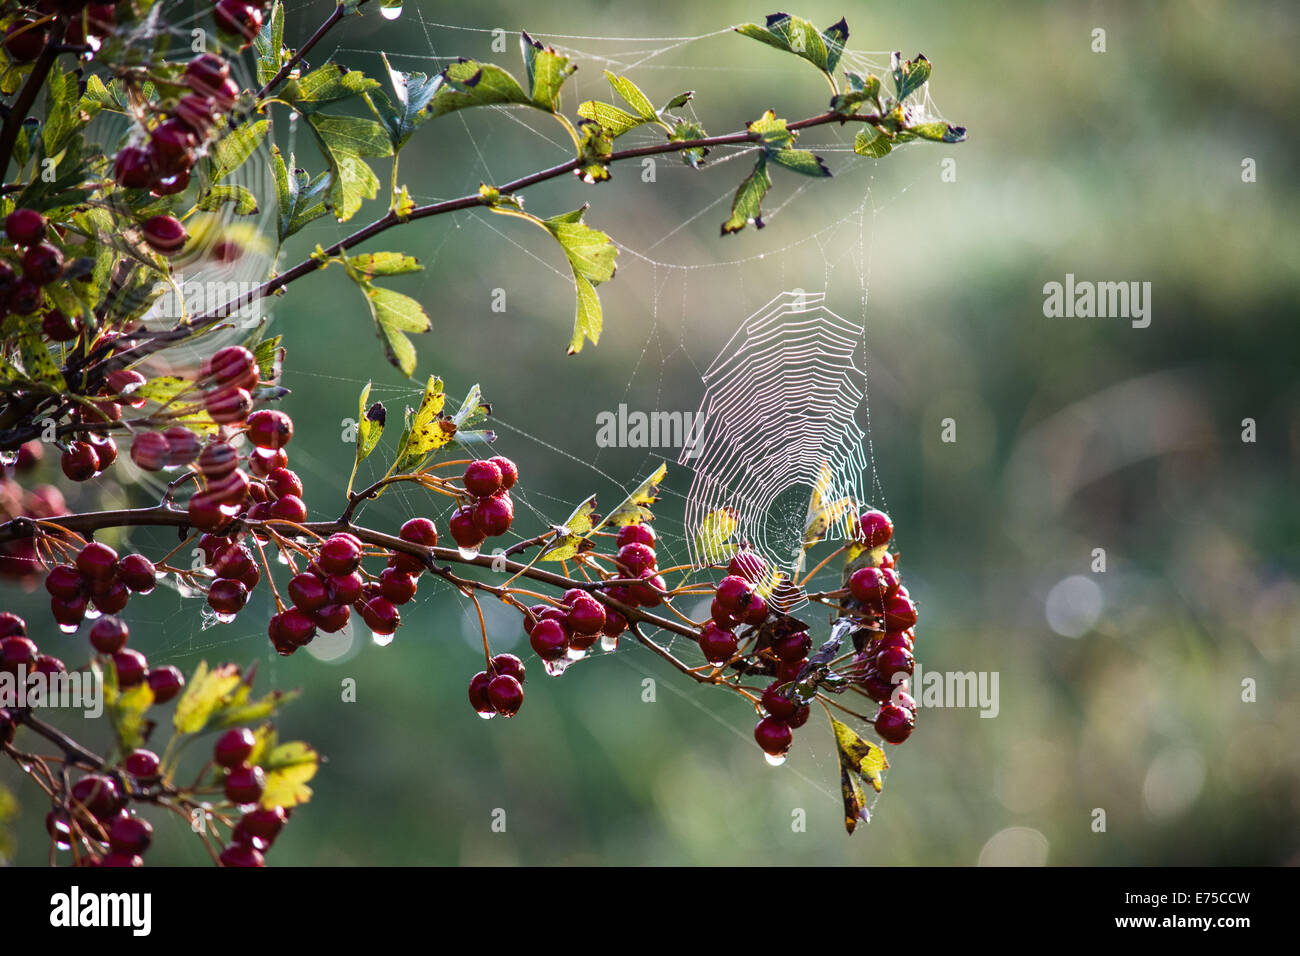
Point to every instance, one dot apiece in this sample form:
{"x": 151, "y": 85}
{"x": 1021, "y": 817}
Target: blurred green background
{"x": 1072, "y": 435}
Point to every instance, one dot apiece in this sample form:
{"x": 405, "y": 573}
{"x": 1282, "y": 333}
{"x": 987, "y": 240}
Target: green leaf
{"x": 470, "y": 83}
{"x": 591, "y": 254}
{"x": 546, "y": 71}
{"x": 635, "y": 508}
{"x": 242, "y": 709}
{"x": 408, "y": 108}
{"x": 861, "y": 89}
{"x": 396, "y": 315}
{"x": 472, "y": 410}
{"x": 571, "y": 536}
{"x": 299, "y": 200}
{"x": 633, "y": 97}
{"x": 860, "y": 762}
{"x": 713, "y": 536}
{"x": 244, "y": 201}
{"x": 163, "y": 389}
{"x": 369, "y": 427}
{"x": 38, "y": 365}
{"x": 234, "y": 147}
{"x": 595, "y": 145}
{"x": 909, "y": 76}
{"x": 428, "y": 429}
{"x": 99, "y": 97}
{"x": 745, "y": 207}
{"x": 872, "y": 142}
{"x": 61, "y": 119}
{"x": 203, "y": 696}
{"x": 270, "y": 358}
{"x": 939, "y": 132}
{"x": 373, "y": 264}
{"x": 327, "y": 84}
{"x": 288, "y": 767}
{"x": 686, "y": 132}
{"x": 268, "y": 45}
{"x": 773, "y": 133}
{"x": 796, "y": 35}
{"x": 680, "y": 100}
{"x": 612, "y": 119}
{"x": 800, "y": 161}
{"x": 126, "y": 710}
{"x": 345, "y": 140}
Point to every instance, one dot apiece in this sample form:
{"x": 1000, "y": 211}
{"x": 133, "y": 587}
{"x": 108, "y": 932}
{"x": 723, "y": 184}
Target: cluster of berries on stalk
{"x": 884, "y": 660}
{"x": 97, "y": 582}
{"x": 19, "y": 559}
{"x": 83, "y": 23}
{"x": 488, "y": 482}
{"x": 39, "y": 263}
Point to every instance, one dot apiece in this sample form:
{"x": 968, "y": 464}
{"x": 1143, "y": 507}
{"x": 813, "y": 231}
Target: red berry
{"x": 774, "y": 736}
{"x": 182, "y": 445}
{"x": 42, "y": 263}
{"x": 143, "y": 764}
{"x": 733, "y": 593}
{"x": 25, "y": 227}
{"x": 332, "y": 617}
{"x": 718, "y": 645}
{"x": 16, "y": 652}
{"x": 615, "y": 623}
{"x": 871, "y": 588}
{"x": 172, "y": 145}
{"x": 586, "y": 615}
{"x": 109, "y": 635}
{"x": 749, "y": 565}
{"x": 97, "y": 561}
{"x": 636, "y": 558}
{"x": 894, "y": 724}
{"x": 289, "y": 508}
{"x": 297, "y": 626}
{"x": 99, "y": 795}
{"x": 478, "y": 694}
{"x": 165, "y": 682}
{"x": 875, "y": 529}
{"x": 228, "y": 405}
{"x": 130, "y": 835}
{"x": 131, "y": 667}
{"x": 308, "y": 591}
{"x": 109, "y": 596}
{"x": 205, "y": 513}
{"x": 68, "y": 612}
{"x": 419, "y": 531}
{"x": 196, "y": 111}
{"x": 264, "y": 823}
{"x": 149, "y": 451}
{"x": 26, "y": 298}
{"x": 635, "y": 534}
{"x": 233, "y": 365}
{"x": 64, "y": 581}
{"x": 508, "y": 664}
{"x": 217, "y": 460}
{"x": 125, "y": 381}
{"x": 464, "y": 529}
{"x": 494, "y": 515}
{"x": 262, "y": 462}
{"x": 24, "y": 40}
{"x": 282, "y": 481}
{"x": 241, "y": 855}
{"x": 205, "y": 73}
{"x": 649, "y": 591}
{"x": 344, "y": 588}
{"x": 509, "y": 471}
{"x": 900, "y": 613}
{"x": 134, "y": 168}
{"x": 339, "y": 554}
{"x": 396, "y": 585}
{"x": 793, "y": 647}
{"x": 234, "y": 747}
{"x": 757, "y": 612}
{"x": 45, "y": 664}
{"x": 230, "y": 491}
{"x": 894, "y": 660}
{"x": 224, "y": 96}
{"x": 549, "y": 639}
{"x": 482, "y": 478}
{"x": 58, "y": 327}
{"x": 270, "y": 428}
{"x": 506, "y": 695}
{"x": 227, "y": 596}
{"x": 380, "y": 615}
{"x": 779, "y": 706}
{"x": 244, "y": 784}
{"x": 79, "y": 462}
{"x": 105, "y": 450}
{"x": 238, "y": 18}
{"x": 11, "y": 625}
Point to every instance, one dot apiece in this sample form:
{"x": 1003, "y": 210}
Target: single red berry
{"x": 65, "y": 581}
{"x": 494, "y": 515}
{"x": 463, "y": 528}
{"x": 482, "y": 478}
{"x": 871, "y": 588}
{"x": 58, "y": 327}
{"x": 344, "y": 588}
{"x": 332, "y": 617}
{"x": 228, "y": 405}
{"x": 165, "y": 682}
{"x": 27, "y": 298}
{"x": 122, "y": 382}
{"x": 549, "y": 639}
{"x": 774, "y": 736}
{"x": 105, "y": 450}
{"x": 68, "y": 612}
{"x": 297, "y": 626}
{"x": 478, "y": 694}
{"x": 25, "y": 227}
{"x": 242, "y": 856}
{"x": 380, "y": 615}
{"x": 748, "y": 565}
{"x": 142, "y": 764}
{"x": 396, "y": 585}
{"x": 508, "y": 664}
{"x": 24, "y": 40}
{"x": 615, "y": 623}
{"x": 506, "y": 695}
{"x": 270, "y": 428}
{"x": 45, "y": 664}
{"x": 793, "y": 647}
{"x": 635, "y": 534}
{"x": 224, "y": 95}
{"x": 244, "y": 784}
{"x": 131, "y": 667}
{"x": 99, "y": 795}
{"x": 197, "y": 112}
{"x": 636, "y": 558}
{"x": 205, "y": 513}
{"x": 134, "y": 168}
{"x": 900, "y": 612}
{"x": 719, "y": 646}
{"x": 217, "y": 460}
{"x": 649, "y": 591}
{"x": 757, "y": 612}
{"x": 339, "y": 554}
{"x": 16, "y": 652}
{"x": 227, "y": 597}
{"x": 308, "y": 591}
{"x": 262, "y": 462}
{"x": 11, "y": 625}
{"x": 289, "y": 508}
{"x": 233, "y": 365}
{"x": 586, "y": 615}
{"x": 109, "y": 635}
{"x": 734, "y": 593}
{"x": 264, "y": 823}
{"x": 282, "y": 481}
{"x": 509, "y": 471}
{"x": 875, "y": 529}
{"x": 79, "y": 461}
{"x": 894, "y": 724}
{"x": 893, "y": 661}
{"x": 172, "y": 144}
{"x": 42, "y": 263}
{"x": 231, "y": 491}
{"x": 205, "y": 72}
{"x": 130, "y": 835}
{"x": 97, "y": 561}
{"x": 149, "y": 451}
{"x": 721, "y": 616}
{"x": 182, "y": 445}
{"x": 109, "y": 596}
{"x": 237, "y": 18}
{"x": 234, "y": 747}
{"x": 778, "y": 705}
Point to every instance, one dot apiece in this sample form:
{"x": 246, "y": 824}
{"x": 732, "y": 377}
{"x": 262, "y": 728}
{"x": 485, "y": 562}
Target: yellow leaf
{"x": 860, "y": 760}
{"x": 635, "y": 508}
{"x": 206, "y": 691}
{"x": 570, "y": 536}
{"x": 288, "y": 768}
{"x": 713, "y": 536}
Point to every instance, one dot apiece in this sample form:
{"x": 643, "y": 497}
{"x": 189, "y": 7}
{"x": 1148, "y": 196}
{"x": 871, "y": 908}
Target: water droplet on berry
{"x": 93, "y": 612}
{"x": 391, "y": 11}
{"x": 225, "y": 618}
{"x": 383, "y": 640}
{"x": 486, "y": 715}
{"x": 575, "y": 654}
{"x": 556, "y": 667}
{"x": 468, "y": 554}
{"x": 282, "y": 558}
{"x": 774, "y": 760}
{"x": 68, "y": 628}
{"x": 608, "y": 643}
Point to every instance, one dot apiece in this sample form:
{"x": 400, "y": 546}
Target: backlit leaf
{"x": 203, "y": 695}
{"x": 635, "y": 508}
{"x": 571, "y": 536}
{"x": 860, "y": 762}
{"x": 288, "y": 767}
{"x": 745, "y": 207}
{"x": 713, "y": 537}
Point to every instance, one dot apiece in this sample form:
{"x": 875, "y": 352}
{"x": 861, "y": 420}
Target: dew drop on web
{"x": 774, "y": 760}
{"x": 608, "y": 643}
{"x": 557, "y": 667}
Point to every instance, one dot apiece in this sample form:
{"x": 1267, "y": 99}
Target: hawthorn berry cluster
{"x": 96, "y": 582}
{"x": 80, "y": 24}
{"x": 492, "y": 510}
{"x": 19, "y": 560}
{"x": 40, "y": 263}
